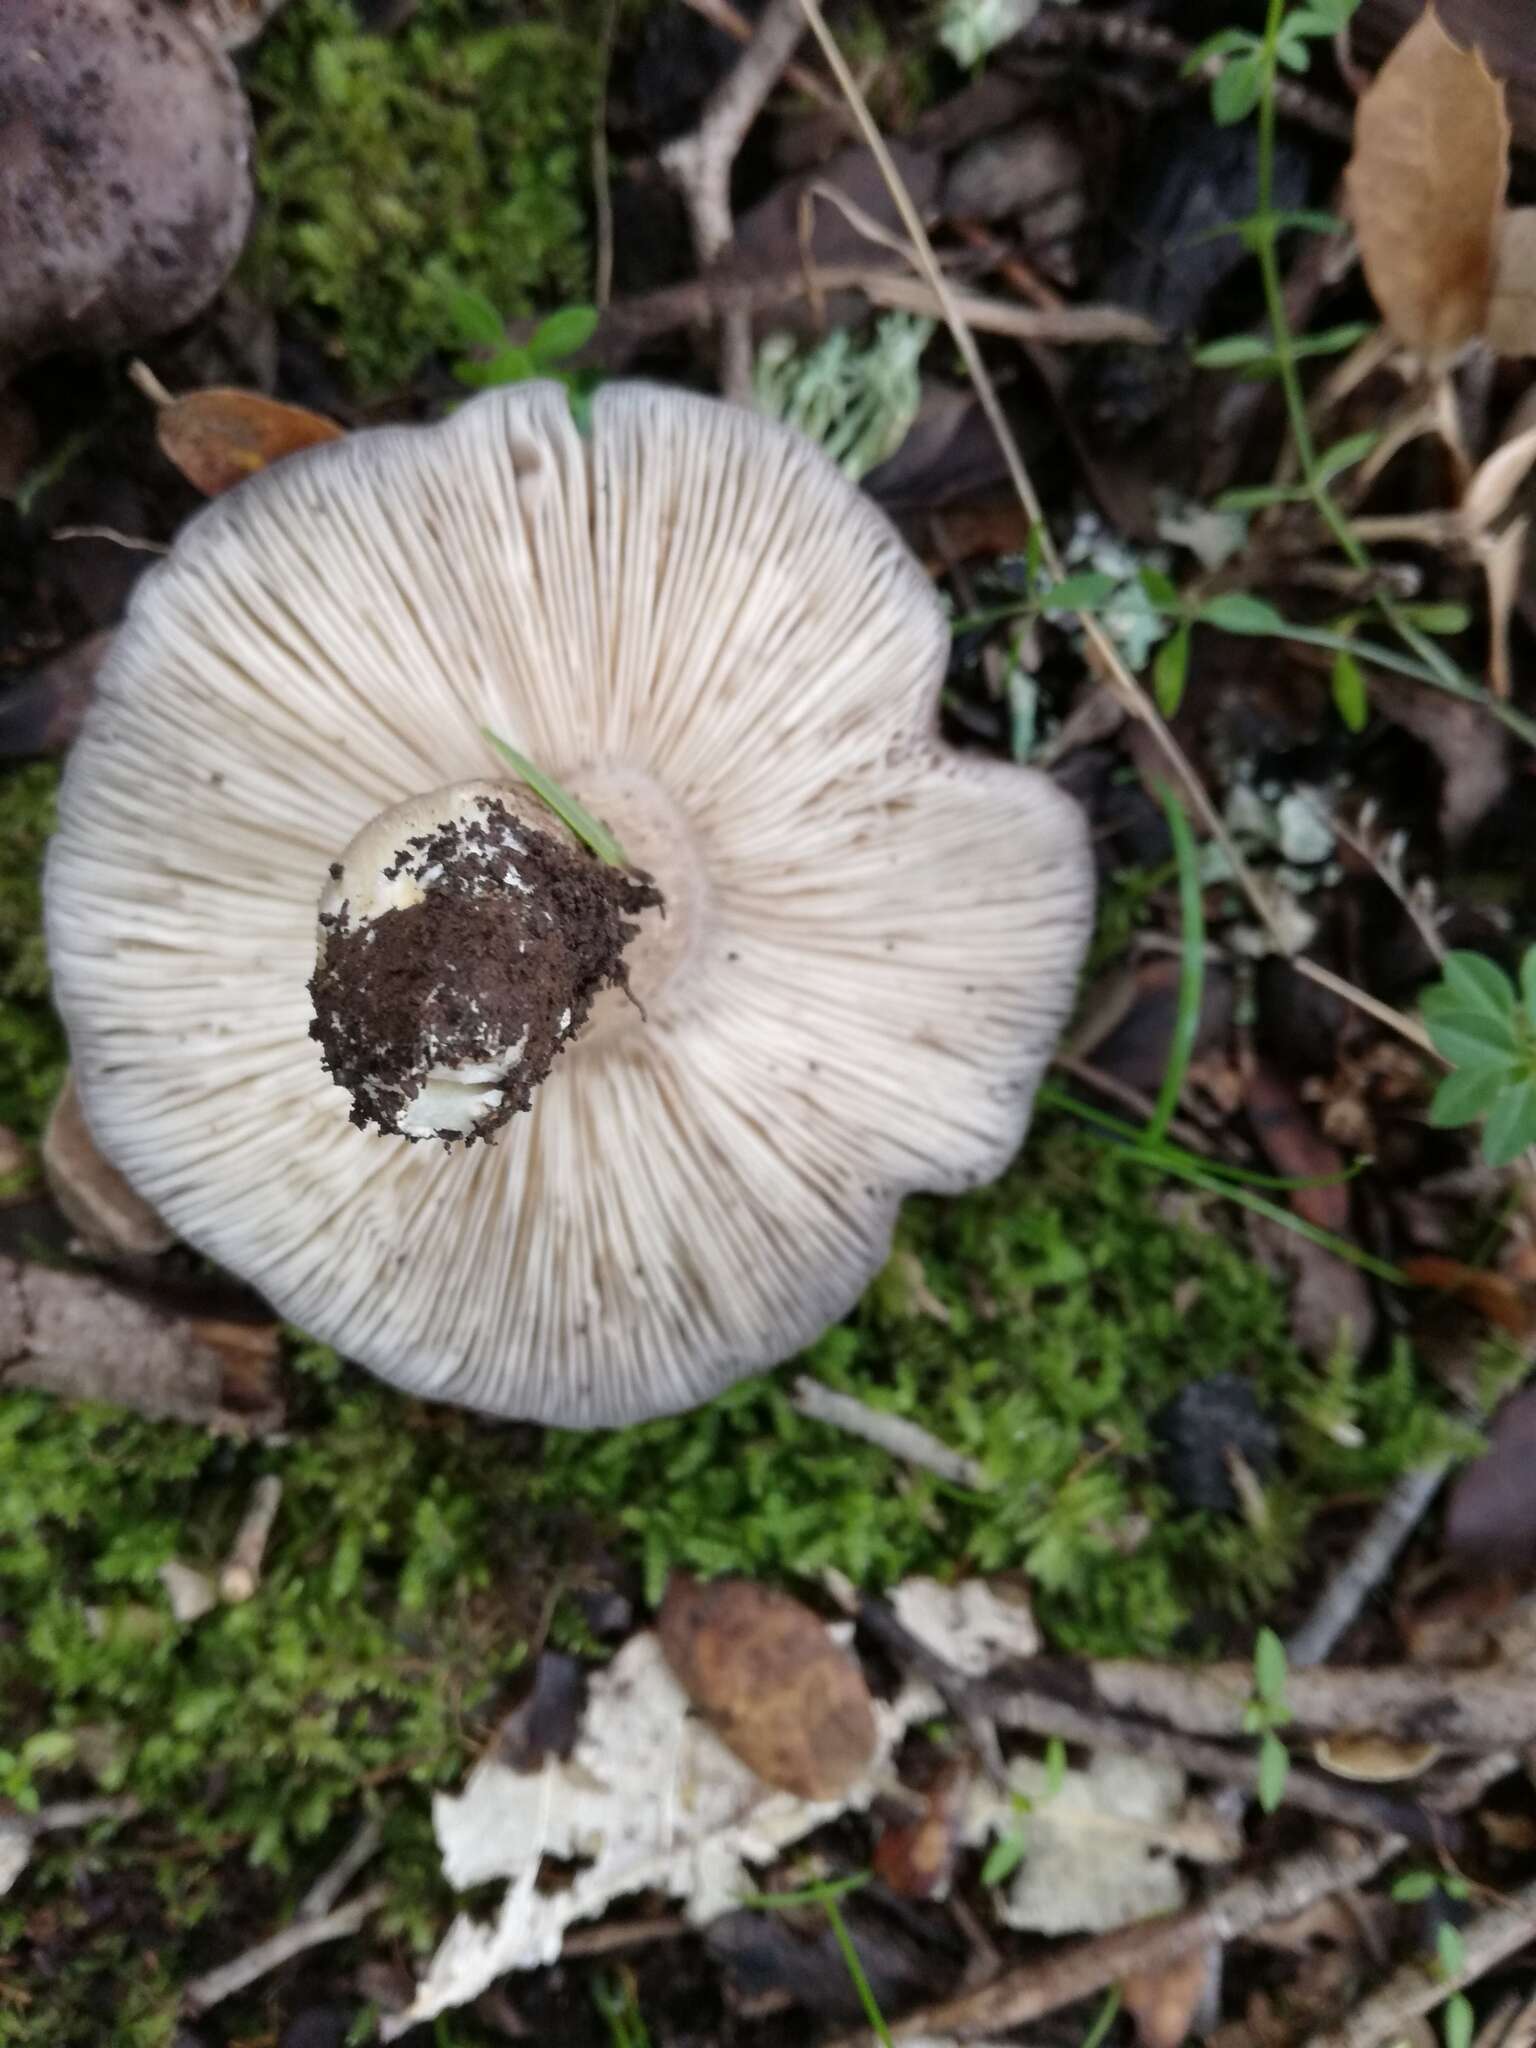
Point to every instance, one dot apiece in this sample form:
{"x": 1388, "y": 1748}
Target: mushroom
{"x": 849, "y": 948}
{"x": 125, "y": 184}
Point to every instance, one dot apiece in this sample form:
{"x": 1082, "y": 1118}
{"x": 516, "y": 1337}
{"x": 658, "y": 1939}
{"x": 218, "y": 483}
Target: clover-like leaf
{"x": 1511, "y": 1124}
{"x": 1467, "y": 1095}
{"x": 1480, "y": 983}
{"x": 1528, "y": 985}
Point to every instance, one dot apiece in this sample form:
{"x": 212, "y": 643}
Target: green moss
{"x": 1073, "y": 1310}
{"x": 32, "y": 1051}
{"x": 459, "y": 138}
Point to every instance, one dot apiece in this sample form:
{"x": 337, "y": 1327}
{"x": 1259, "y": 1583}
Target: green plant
{"x": 454, "y": 146}
{"x": 1007, "y": 1852}
{"x": 495, "y": 360}
{"x": 613, "y": 1993}
{"x": 32, "y": 1049}
{"x": 1413, "y": 1888}
{"x": 1245, "y": 85}
{"x": 589, "y": 830}
{"x": 855, "y": 402}
{"x": 826, "y": 1896}
{"x": 1266, "y": 1712}
{"x": 1486, "y": 1029}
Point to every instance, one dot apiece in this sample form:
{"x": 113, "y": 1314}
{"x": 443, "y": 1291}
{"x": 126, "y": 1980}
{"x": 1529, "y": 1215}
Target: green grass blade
{"x": 1186, "y": 1023}
{"x": 861, "y": 1983}
{"x": 565, "y": 807}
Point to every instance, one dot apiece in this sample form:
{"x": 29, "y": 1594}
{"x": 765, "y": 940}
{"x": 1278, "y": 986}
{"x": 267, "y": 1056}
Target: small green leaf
{"x": 1269, "y": 1668}
{"x": 1455, "y": 1887}
{"x": 1468, "y": 1038}
{"x": 1274, "y": 1769}
{"x": 1078, "y": 593}
{"x": 1235, "y": 94}
{"x": 1308, "y": 21}
{"x": 1295, "y": 56}
{"x": 1170, "y": 672}
{"x": 1450, "y": 1948}
{"x": 565, "y": 807}
{"x": 1055, "y": 1766}
{"x": 1457, "y": 2022}
{"x": 1256, "y": 497}
{"x": 1510, "y": 1126}
{"x": 1478, "y": 983}
{"x": 1438, "y": 618}
{"x": 1466, "y": 1096}
{"x": 1004, "y": 1857}
{"x": 1345, "y": 454}
{"x": 1334, "y": 14}
{"x": 1331, "y": 341}
{"x": 1415, "y": 1885}
{"x": 1232, "y": 351}
{"x": 475, "y": 319}
{"x": 1528, "y": 985}
{"x": 1222, "y": 44}
{"x": 1310, "y": 220}
{"x": 1160, "y": 589}
{"x": 1237, "y": 612}
{"x": 562, "y": 334}
{"x": 1349, "y": 693}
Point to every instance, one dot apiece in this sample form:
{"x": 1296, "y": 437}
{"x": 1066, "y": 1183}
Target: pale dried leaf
{"x": 1497, "y": 479}
{"x": 1512, "y": 307}
{"x": 971, "y": 1626}
{"x": 650, "y": 1799}
{"x": 1502, "y": 557}
{"x": 1163, "y": 2003}
{"x": 1426, "y": 187}
{"x": 112, "y": 1219}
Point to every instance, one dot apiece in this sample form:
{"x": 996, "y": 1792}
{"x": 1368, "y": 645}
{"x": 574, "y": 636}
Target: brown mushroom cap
{"x": 692, "y": 622}
{"x": 125, "y": 186}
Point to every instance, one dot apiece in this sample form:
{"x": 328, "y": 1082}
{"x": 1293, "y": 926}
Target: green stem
{"x": 861, "y": 1983}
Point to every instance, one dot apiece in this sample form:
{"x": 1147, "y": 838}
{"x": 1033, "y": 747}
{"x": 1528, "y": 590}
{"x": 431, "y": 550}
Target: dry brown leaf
{"x": 1426, "y": 188}
{"x": 917, "y": 1857}
{"x": 217, "y": 438}
{"x": 1492, "y": 1294}
{"x": 110, "y": 1217}
{"x": 1374, "y": 1759}
{"x": 1163, "y": 2002}
{"x": 1496, "y": 480}
{"x": 770, "y": 1681}
{"x": 1511, "y": 327}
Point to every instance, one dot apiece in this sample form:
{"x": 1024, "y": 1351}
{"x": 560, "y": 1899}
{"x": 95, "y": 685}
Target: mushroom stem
{"x": 464, "y": 936}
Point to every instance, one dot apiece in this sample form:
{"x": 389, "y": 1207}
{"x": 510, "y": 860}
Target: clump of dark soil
{"x": 483, "y": 967}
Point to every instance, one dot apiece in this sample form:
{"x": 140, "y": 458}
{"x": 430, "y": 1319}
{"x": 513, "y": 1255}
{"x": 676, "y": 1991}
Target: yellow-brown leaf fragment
{"x": 1426, "y": 189}
{"x": 217, "y": 438}
{"x": 1512, "y": 308}
{"x": 764, "y": 1673}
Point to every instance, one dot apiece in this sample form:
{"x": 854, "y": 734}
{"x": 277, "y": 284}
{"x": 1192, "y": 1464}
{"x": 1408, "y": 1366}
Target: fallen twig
{"x": 330, "y": 1884}
{"x": 699, "y": 164}
{"x": 1486, "y": 1941}
{"x": 722, "y": 15}
{"x": 241, "y": 1572}
{"x": 1366, "y": 1565}
{"x": 1080, "y": 1968}
{"x": 905, "y": 1440}
{"x": 18, "y": 1831}
{"x": 216, "y": 1985}
{"x": 1456, "y": 1708}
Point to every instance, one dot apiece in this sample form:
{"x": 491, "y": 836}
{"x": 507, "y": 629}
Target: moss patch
{"x": 459, "y": 141}
{"x": 32, "y": 1051}
{"x": 1075, "y": 1304}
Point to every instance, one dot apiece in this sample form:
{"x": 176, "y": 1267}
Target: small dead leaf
{"x": 770, "y": 1681}
{"x": 111, "y": 1218}
{"x": 1492, "y": 1294}
{"x": 1163, "y": 2003}
{"x": 1374, "y": 1759}
{"x": 1490, "y": 1515}
{"x": 217, "y": 438}
{"x": 1511, "y": 327}
{"x": 1287, "y": 1133}
{"x": 1502, "y": 558}
{"x": 1426, "y": 188}
{"x": 917, "y": 1857}
{"x": 1496, "y": 480}
{"x": 974, "y": 1626}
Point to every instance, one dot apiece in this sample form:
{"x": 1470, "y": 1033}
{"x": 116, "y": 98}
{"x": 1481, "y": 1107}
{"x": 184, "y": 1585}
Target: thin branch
{"x": 731, "y": 21}
{"x": 241, "y": 1572}
{"x": 294, "y": 1940}
{"x": 1487, "y": 1941}
{"x": 1079, "y": 1969}
{"x": 330, "y": 1884}
{"x": 1366, "y": 1565}
{"x": 905, "y": 1440}
{"x": 700, "y": 164}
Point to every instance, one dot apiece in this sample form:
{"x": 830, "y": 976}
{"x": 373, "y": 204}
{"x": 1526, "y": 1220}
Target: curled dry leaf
{"x": 917, "y": 1857}
{"x": 1426, "y": 189}
{"x": 1164, "y": 2002}
{"x": 217, "y": 438}
{"x": 771, "y": 1682}
{"x": 1374, "y": 1759}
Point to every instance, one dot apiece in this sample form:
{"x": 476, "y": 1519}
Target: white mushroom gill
{"x": 692, "y": 622}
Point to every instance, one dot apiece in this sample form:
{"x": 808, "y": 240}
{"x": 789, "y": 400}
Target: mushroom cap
{"x": 885, "y": 935}
{"x": 125, "y": 185}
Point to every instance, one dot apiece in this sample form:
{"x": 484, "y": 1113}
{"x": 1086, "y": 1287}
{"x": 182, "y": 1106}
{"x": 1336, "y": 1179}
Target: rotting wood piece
{"x": 83, "y": 1339}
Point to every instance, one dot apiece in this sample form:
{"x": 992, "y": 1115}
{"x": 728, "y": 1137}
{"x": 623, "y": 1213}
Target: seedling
{"x": 1486, "y": 1029}
{"x": 1266, "y": 1712}
{"x": 496, "y": 360}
